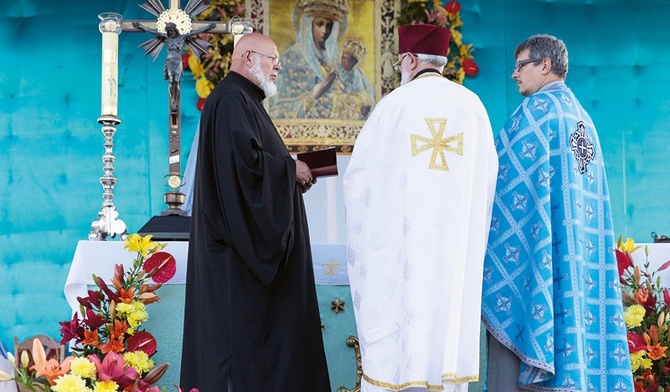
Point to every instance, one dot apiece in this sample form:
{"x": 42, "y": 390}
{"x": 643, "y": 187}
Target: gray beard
{"x": 404, "y": 76}
{"x": 268, "y": 87}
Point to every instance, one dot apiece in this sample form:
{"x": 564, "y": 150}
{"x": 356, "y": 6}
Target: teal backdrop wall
{"x": 51, "y": 143}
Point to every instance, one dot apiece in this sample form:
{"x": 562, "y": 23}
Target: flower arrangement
{"x": 111, "y": 352}
{"x": 460, "y": 59}
{"x": 647, "y": 304}
{"x": 213, "y": 66}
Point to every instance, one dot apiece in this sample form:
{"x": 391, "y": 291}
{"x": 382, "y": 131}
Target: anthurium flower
{"x": 142, "y": 341}
{"x": 112, "y": 368}
{"x": 160, "y": 267}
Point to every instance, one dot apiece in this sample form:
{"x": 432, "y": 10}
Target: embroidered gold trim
{"x": 449, "y": 378}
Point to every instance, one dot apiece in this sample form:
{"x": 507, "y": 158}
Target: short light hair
{"x": 432, "y": 59}
{"x": 543, "y": 46}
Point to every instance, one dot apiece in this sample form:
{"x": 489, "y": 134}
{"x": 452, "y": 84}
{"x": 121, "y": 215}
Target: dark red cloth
{"x": 424, "y": 39}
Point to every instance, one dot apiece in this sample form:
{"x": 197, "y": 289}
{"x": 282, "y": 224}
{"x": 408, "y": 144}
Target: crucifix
{"x": 175, "y": 27}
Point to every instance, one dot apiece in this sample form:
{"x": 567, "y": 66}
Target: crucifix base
{"x": 174, "y": 200}
{"x": 167, "y": 228}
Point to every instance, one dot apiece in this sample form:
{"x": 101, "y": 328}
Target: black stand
{"x": 167, "y": 228}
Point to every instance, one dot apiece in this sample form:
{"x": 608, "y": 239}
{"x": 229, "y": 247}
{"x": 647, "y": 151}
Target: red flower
{"x": 470, "y": 67}
{"x": 71, "y": 330}
{"x": 160, "y": 267}
{"x": 200, "y": 103}
{"x": 623, "y": 261}
{"x": 452, "y": 7}
{"x": 142, "y": 341}
{"x": 184, "y": 60}
{"x": 636, "y": 342}
{"x": 94, "y": 320}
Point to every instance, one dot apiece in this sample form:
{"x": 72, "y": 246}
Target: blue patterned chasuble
{"x": 551, "y": 289}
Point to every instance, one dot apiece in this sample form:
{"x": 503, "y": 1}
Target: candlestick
{"x": 110, "y": 27}
{"x": 239, "y": 28}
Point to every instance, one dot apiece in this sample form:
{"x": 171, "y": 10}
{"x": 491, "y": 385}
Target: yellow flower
{"x": 195, "y": 66}
{"x": 139, "y": 360}
{"x": 134, "y": 312}
{"x": 106, "y": 386}
{"x": 628, "y": 246}
{"x": 83, "y": 368}
{"x": 634, "y": 315}
{"x": 70, "y": 383}
{"x": 639, "y": 361}
{"x": 139, "y": 244}
{"x": 203, "y": 87}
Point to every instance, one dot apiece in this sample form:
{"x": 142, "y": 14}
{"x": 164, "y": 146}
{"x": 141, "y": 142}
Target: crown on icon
{"x": 355, "y": 48}
{"x": 331, "y": 9}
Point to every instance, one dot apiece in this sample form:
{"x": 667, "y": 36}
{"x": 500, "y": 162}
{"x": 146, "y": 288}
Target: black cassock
{"x": 251, "y": 309}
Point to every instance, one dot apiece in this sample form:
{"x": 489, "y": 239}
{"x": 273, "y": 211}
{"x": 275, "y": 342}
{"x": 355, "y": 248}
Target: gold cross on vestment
{"x": 437, "y": 143}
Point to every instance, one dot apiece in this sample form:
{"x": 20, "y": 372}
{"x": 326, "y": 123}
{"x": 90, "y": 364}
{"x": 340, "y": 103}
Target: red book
{"x": 322, "y": 163}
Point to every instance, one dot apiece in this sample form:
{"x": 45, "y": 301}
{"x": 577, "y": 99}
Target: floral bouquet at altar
{"x": 110, "y": 352}
{"x": 647, "y": 304}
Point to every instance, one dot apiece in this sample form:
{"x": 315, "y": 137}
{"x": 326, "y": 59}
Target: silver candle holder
{"x": 108, "y": 223}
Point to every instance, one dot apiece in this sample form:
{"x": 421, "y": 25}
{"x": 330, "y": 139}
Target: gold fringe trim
{"x": 449, "y": 378}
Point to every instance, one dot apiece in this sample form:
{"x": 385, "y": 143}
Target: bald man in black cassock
{"x": 251, "y": 317}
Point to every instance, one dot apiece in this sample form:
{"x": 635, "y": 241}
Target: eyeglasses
{"x": 519, "y": 64}
{"x": 274, "y": 59}
{"x": 397, "y": 64}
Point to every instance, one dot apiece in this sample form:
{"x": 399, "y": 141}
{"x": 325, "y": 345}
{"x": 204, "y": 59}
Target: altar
{"x": 166, "y": 316}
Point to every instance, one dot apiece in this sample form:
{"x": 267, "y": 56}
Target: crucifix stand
{"x": 175, "y": 28}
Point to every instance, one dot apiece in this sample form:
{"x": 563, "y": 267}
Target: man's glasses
{"x": 397, "y": 64}
{"x": 519, "y": 64}
{"x": 274, "y": 59}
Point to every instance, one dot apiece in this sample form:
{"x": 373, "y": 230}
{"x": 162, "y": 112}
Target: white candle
{"x": 110, "y": 27}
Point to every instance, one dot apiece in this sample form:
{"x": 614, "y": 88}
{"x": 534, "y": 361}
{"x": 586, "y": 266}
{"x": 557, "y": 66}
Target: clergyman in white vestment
{"x": 418, "y": 193}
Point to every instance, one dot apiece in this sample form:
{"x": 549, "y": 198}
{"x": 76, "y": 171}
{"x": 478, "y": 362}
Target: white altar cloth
{"x": 659, "y": 253}
{"x": 99, "y": 258}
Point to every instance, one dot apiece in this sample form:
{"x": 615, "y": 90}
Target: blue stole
{"x": 551, "y": 288}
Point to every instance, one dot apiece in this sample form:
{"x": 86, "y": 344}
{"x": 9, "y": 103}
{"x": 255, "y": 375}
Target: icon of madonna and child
{"x": 323, "y": 76}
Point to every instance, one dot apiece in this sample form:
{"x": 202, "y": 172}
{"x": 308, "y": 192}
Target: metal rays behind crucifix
{"x": 438, "y": 143}
{"x": 176, "y": 28}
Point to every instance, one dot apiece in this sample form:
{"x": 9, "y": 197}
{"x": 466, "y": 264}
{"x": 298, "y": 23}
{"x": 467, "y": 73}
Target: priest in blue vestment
{"x": 551, "y": 295}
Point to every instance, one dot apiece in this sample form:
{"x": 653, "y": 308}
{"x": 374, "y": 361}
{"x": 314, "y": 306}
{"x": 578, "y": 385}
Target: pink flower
{"x": 112, "y": 368}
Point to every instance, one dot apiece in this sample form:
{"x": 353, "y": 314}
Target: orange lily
{"x": 656, "y": 352}
{"x": 91, "y": 338}
{"x": 114, "y": 345}
{"x": 127, "y": 296}
{"x": 119, "y": 330}
{"x": 49, "y": 369}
